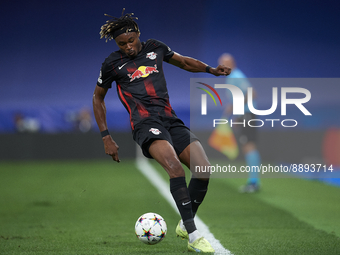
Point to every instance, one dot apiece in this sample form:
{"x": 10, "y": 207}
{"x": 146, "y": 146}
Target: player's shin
{"x": 197, "y": 190}
{"x": 181, "y": 196}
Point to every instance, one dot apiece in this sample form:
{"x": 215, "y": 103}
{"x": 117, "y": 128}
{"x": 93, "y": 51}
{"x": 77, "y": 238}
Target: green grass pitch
{"x": 90, "y": 207}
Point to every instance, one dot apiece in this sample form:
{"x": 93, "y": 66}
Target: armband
{"x": 207, "y": 69}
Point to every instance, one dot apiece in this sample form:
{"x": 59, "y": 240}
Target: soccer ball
{"x": 150, "y": 228}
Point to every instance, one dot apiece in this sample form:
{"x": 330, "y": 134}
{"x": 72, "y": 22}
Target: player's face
{"x": 129, "y": 43}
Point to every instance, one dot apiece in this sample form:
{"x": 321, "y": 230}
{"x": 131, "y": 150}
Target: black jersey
{"x": 140, "y": 81}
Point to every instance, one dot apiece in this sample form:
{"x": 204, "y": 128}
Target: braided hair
{"x": 117, "y": 26}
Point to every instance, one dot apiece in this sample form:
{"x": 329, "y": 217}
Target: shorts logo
{"x": 151, "y": 55}
{"x": 155, "y": 131}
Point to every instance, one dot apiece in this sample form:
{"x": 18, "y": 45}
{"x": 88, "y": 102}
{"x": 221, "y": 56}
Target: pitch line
{"x": 158, "y": 182}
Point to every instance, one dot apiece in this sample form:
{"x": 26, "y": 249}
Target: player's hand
{"x": 111, "y": 148}
{"x": 220, "y": 70}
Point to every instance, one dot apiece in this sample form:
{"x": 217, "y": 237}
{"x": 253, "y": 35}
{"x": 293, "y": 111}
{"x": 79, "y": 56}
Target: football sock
{"x": 253, "y": 159}
{"x": 194, "y": 235}
{"x": 180, "y": 193}
{"x": 197, "y": 190}
{"x": 182, "y": 225}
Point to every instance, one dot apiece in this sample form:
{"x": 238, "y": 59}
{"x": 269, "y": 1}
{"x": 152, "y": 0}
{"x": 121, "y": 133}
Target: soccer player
{"x": 137, "y": 69}
{"x": 247, "y": 135}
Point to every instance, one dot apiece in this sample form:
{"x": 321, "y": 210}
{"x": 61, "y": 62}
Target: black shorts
{"x": 246, "y": 134}
{"x": 171, "y": 129}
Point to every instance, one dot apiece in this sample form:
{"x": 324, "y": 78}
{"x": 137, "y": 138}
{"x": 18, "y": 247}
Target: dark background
{"x": 51, "y": 53}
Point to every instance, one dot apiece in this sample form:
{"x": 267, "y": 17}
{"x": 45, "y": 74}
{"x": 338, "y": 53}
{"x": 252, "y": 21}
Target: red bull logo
{"x": 143, "y": 71}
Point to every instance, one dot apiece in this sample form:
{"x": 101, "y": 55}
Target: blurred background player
{"x": 246, "y": 135}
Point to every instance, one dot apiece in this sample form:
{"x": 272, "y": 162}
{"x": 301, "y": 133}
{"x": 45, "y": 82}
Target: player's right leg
{"x": 156, "y": 142}
{"x": 163, "y": 152}
{"x": 194, "y": 155}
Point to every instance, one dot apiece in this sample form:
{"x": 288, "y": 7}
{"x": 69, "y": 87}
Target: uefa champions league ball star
{"x": 150, "y": 228}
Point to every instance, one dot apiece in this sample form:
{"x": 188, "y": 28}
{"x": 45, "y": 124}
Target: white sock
{"x": 182, "y": 226}
{"x": 194, "y": 235}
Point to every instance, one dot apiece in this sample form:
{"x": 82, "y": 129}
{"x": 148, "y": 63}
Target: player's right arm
{"x": 99, "y": 109}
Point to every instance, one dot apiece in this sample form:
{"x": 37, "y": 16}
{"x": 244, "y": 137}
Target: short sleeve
{"x": 105, "y": 78}
{"x": 168, "y": 53}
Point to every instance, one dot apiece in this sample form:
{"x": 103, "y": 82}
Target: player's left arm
{"x": 197, "y": 66}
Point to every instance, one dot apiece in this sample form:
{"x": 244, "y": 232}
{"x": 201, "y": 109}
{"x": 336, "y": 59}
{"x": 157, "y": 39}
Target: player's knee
{"x": 174, "y": 168}
{"x": 200, "y": 168}
{"x": 202, "y": 173}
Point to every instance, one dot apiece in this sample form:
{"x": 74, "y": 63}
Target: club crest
{"x": 155, "y": 131}
{"x": 151, "y": 55}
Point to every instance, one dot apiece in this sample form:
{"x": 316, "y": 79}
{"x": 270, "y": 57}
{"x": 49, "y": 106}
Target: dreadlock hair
{"x": 117, "y": 26}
